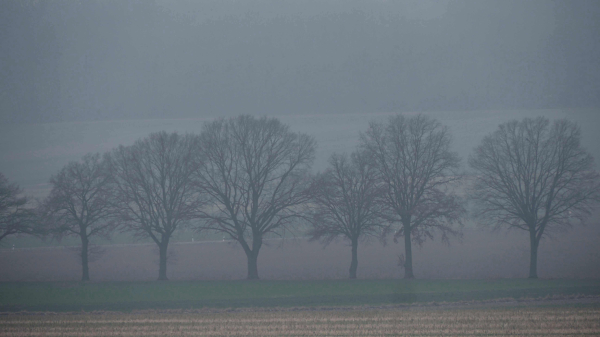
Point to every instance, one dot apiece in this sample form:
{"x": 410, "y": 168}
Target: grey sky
{"x": 107, "y": 60}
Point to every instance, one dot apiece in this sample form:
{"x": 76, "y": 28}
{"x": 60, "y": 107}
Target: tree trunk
{"x": 162, "y": 263}
{"x": 534, "y": 243}
{"x": 85, "y": 271}
{"x": 252, "y": 266}
{"x": 408, "y": 266}
{"x": 253, "y": 256}
{"x": 354, "y": 263}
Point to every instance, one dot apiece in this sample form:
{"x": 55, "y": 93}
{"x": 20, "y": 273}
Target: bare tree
{"x": 15, "y": 216}
{"x": 534, "y": 177}
{"x": 79, "y": 204}
{"x": 255, "y": 174}
{"x": 154, "y": 191}
{"x": 344, "y": 203}
{"x": 413, "y": 158}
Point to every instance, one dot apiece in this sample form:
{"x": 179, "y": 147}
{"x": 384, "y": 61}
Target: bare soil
{"x": 523, "y": 321}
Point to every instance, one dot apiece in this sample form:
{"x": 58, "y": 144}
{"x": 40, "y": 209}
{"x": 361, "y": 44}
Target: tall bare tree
{"x": 418, "y": 170}
{"x": 15, "y": 216}
{"x": 79, "y": 204}
{"x": 344, "y": 203}
{"x": 255, "y": 176}
{"x": 154, "y": 190}
{"x": 534, "y": 177}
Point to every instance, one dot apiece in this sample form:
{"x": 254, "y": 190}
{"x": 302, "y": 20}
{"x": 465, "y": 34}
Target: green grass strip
{"x": 70, "y": 296}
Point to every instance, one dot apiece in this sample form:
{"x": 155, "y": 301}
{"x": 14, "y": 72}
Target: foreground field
{"x": 518, "y": 307}
{"x": 561, "y": 321}
{"x": 129, "y": 296}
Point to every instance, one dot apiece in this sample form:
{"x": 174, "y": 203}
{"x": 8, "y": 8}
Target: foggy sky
{"x": 105, "y": 60}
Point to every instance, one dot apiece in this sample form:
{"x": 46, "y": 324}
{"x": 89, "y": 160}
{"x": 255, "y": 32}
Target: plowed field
{"x": 428, "y": 322}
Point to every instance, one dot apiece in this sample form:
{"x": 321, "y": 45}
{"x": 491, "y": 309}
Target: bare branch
{"x": 534, "y": 177}
{"x": 79, "y": 203}
{"x": 255, "y": 173}
{"x": 15, "y": 214}
{"x": 414, "y": 162}
{"x": 154, "y": 187}
{"x": 345, "y": 203}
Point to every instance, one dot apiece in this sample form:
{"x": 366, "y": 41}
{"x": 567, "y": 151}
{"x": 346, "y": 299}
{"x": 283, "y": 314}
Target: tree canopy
{"x": 413, "y": 158}
{"x": 255, "y": 177}
{"x": 535, "y": 177}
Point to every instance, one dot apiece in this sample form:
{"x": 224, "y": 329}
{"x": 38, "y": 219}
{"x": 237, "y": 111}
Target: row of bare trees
{"x": 401, "y": 177}
{"x": 247, "y": 177}
{"x": 244, "y": 177}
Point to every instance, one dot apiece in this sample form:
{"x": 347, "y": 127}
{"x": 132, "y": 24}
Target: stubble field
{"x": 540, "y": 321}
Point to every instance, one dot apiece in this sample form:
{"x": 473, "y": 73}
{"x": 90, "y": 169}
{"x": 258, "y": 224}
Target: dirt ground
{"x": 514, "y": 321}
{"x": 479, "y": 254}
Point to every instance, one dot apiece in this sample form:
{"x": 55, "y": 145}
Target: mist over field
{"x": 80, "y": 77}
{"x": 481, "y": 254}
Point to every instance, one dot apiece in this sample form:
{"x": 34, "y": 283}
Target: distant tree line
{"x": 247, "y": 177}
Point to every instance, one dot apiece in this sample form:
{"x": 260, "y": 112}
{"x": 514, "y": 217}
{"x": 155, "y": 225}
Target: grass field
{"x": 564, "y": 321}
{"x": 127, "y": 296}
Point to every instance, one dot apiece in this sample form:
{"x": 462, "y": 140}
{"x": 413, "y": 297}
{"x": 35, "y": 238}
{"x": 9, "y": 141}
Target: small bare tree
{"x": 79, "y": 204}
{"x": 534, "y": 177}
{"x": 413, "y": 158}
{"x": 344, "y": 203}
{"x": 254, "y": 173}
{"x": 15, "y": 216}
{"x": 154, "y": 190}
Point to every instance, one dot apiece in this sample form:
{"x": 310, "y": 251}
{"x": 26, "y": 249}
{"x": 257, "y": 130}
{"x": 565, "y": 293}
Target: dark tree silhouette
{"x": 534, "y": 177}
{"x": 79, "y": 204}
{"x": 255, "y": 177}
{"x": 413, "y": 158}
{"x": 344, "y": 203}
{"x": 154, "y": 190}
{"x": 15, "y": 216}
